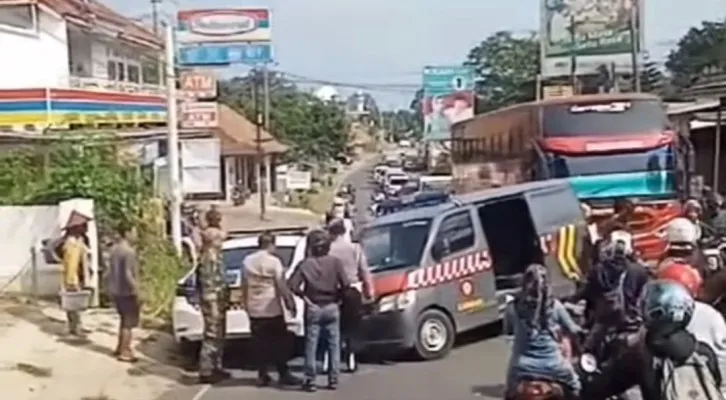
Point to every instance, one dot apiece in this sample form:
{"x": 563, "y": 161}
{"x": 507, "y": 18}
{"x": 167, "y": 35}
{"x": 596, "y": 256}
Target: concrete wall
{"x": 22, "y": 257}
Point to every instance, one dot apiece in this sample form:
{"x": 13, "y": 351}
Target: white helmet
{"x": 681, "y": 231}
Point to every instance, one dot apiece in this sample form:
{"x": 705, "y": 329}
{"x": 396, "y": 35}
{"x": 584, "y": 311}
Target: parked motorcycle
{"x": 240, "y": 194}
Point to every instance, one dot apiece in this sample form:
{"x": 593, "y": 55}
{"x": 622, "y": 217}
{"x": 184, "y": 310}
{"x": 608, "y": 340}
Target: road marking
{"x": 204, "y": 389}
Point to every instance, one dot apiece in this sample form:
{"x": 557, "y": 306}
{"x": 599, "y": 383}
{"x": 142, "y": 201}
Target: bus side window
{"x": 456, "y": 234}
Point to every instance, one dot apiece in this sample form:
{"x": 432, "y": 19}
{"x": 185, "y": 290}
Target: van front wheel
{"x": 434, "y": 335}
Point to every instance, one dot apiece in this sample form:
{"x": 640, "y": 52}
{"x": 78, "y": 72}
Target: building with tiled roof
{"x": 77, "y": 63}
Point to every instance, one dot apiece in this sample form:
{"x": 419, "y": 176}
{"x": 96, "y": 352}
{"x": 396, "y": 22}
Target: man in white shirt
{"x": 265, "y": 292}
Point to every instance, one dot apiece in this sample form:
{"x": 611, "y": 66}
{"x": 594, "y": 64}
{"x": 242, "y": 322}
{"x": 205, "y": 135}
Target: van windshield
{"x": 395, "y": 245}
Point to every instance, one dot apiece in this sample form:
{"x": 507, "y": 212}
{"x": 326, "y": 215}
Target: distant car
{"x": 404, "y": 143}
{"x": 186, "y": 317}
{"x": 395, "y": 182}
{"x": 379, "y": 172}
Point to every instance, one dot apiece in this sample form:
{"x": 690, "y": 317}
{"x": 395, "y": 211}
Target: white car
{"x": 395, "y": 182}
{"x": 186, "y": 316}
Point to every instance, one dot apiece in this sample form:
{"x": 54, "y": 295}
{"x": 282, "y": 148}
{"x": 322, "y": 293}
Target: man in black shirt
{"x": 320, "y": 280}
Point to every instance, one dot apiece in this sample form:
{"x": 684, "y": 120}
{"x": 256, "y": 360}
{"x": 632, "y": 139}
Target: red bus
{"x": 608, "y": 146}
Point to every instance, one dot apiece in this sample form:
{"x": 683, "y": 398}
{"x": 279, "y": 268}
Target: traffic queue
{"x": 587, "y": 314}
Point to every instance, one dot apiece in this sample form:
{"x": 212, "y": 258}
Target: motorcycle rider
{"x": 682, "y": 237}
{"x": 535, "y": 317}
{"x": 615, "y": 263}
{"x": 707, "y": 324}
{"x": 668, "y": 309}
{"x": 693, "y": 211}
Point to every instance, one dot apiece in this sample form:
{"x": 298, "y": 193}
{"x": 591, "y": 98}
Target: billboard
{"x": 223, "y": 36}
{"x": 225, "y": 54}
{"x": 223, "y": 26}
{"x": 448, "y": 99}
{"x": 593, "y": 32}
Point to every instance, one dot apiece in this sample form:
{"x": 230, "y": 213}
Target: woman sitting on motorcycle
{"x": 536, "y": 319}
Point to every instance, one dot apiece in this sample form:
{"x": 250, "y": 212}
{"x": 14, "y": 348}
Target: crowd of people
{"x": 648, "y": 325}
{"x": 333, "y": 280}
{"x": 651, "y": 327}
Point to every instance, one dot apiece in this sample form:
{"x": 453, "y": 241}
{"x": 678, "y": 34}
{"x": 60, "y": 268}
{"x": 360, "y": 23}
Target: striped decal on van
{"x": 447, "y": 271}
{"x": 562, "y": 245}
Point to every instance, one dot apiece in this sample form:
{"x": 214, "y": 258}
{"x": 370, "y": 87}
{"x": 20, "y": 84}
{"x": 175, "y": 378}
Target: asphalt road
{"x": 474, "y": 369}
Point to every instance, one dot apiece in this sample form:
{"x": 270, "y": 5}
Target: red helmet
{"x": 684, "y": 274}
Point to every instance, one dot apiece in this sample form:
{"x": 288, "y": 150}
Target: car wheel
{"x": 434, "y": 335}
{"x": 190, "y": 350}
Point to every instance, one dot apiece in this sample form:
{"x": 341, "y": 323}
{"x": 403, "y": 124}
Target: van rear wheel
{"x": 434, "y": 335}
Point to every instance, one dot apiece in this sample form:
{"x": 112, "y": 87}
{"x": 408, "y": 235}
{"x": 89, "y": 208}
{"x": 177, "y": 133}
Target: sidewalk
{"x": 38, "y": 361}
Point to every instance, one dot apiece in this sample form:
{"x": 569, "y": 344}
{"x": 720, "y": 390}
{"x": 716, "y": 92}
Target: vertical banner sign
{"x": 448, "y": 99}
{"x": 592, "y": 32}
{"x": 224, "y": 36}
{"x": 198, "y": 85}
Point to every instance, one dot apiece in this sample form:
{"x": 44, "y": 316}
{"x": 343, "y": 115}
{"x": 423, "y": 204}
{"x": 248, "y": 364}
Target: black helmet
{"x": 318, "y": 242}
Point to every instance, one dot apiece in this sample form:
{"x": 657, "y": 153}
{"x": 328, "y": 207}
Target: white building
{"x": 75, "y": 43}
{"x": 56, "y": 45}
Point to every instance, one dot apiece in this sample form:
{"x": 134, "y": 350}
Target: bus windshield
{"x": 564, "y": 166}
{"x": 395, "y": 245}
{"x": 603, "y": 118}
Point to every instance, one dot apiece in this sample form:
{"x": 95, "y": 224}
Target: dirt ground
{"x": 40, "y": 361}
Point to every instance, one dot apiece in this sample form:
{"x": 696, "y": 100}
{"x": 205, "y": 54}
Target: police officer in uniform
{"x": 213, "y": 299}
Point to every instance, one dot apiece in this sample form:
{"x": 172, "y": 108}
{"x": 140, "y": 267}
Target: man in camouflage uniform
{"x": 213, "y": 299}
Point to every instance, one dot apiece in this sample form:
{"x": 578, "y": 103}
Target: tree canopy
{"x": 507, "y": 67}
{"x": 316, "y": 131}
{"x": 701, "y": 50}
{"x": 400, "y": 123}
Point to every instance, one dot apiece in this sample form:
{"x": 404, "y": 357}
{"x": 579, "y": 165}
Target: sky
{"x": 390, "y": 41}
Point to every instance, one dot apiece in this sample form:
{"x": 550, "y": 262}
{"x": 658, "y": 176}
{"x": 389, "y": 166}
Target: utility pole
{"x": 173, "y": 142}
{"x": 573, "y": 55}
{"x": 155, "y": 15}
{"x": 258, "y": 135}
{"x": 266, "y": 93}
{"x": 635, "y": 46}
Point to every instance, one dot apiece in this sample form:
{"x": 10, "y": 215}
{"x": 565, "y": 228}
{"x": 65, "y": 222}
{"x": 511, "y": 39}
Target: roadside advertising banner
{"x": 448, "y": 99}
{"x": 218, "y": 37}
{"x": 593, "y": 32}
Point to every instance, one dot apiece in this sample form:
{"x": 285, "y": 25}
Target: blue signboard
{"x": 438, "y": 81}
{"x": 224, "y": 54}
{"x": 448, "y": 99}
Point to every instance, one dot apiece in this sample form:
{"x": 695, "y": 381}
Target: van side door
{"x": 560, "y": 225}
{"x": 460, "y": 259}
